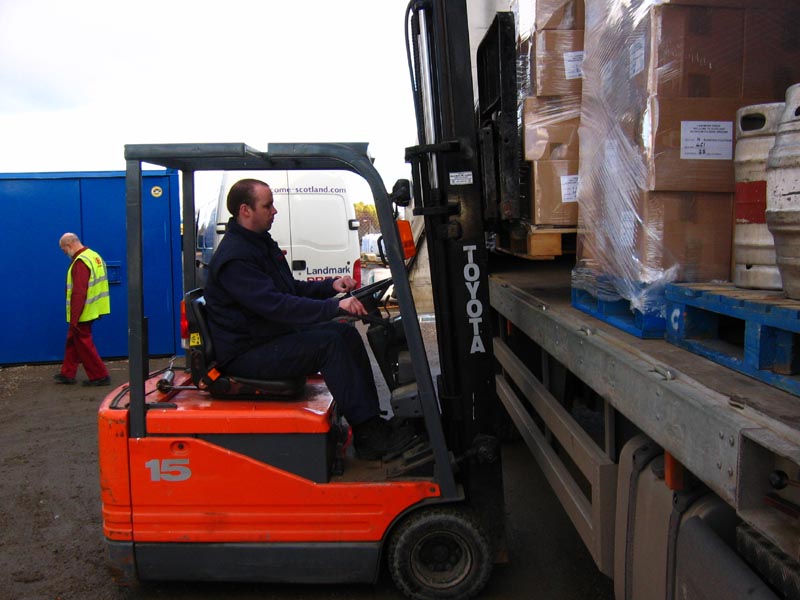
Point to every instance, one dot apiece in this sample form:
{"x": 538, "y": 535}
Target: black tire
{"x": 440, "y": 553}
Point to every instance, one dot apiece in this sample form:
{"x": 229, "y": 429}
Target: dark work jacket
{"x": 252, "y": 297}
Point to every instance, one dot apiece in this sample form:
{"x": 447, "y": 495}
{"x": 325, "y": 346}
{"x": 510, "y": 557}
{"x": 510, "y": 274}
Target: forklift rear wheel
{"x": 440, "y": 553}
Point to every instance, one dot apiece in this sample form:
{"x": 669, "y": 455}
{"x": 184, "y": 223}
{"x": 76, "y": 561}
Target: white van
{"x": 316, "y": 225}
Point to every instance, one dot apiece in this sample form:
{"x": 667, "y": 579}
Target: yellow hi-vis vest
{"x": 98, "y": 301}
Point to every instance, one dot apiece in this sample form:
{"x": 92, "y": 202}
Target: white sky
{"x": 79, "y": 79}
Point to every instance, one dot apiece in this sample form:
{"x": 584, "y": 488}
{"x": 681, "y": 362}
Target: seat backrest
{"x": 202, "y": 359}
{"x": 201, "y": 350}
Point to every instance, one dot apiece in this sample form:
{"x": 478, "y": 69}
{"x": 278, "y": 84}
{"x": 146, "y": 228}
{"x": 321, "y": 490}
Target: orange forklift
{"x": 206, "y": 477}
{"x": 209, "y": 477}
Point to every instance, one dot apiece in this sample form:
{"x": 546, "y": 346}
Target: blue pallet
{"x": 771, "y": 325}
{"x": 620, "y": 314}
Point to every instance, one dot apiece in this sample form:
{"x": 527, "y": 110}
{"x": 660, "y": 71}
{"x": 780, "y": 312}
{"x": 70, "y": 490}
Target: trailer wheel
{"x": 440, "y": 553}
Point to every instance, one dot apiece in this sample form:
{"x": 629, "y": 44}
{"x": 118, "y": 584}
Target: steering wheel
{"x": 374, "y": 290}
{"x": 370, "y": 296}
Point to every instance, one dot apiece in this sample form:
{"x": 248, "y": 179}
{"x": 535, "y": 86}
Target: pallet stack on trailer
{"x": 661, "y": 88}
{"x": 549, "y": 75}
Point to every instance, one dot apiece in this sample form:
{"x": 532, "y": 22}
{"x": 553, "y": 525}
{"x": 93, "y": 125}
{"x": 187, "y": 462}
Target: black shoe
{"x": 376, "y": 438}
{"x": 97, "y": 382}
{"x": 64, "y": 379}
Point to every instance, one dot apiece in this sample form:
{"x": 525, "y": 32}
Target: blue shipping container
{"x": 38, "y": 208}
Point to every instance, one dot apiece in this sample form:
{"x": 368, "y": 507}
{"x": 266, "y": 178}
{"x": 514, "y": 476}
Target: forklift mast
{"x": 447, "y": 193}
{"x": 447, "y": 187}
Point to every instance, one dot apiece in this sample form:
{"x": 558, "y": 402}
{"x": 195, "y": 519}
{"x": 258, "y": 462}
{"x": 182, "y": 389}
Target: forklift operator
{"x": 267, "y": 325}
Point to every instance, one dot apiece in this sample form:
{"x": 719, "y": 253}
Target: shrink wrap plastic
{"x": 538, "y": 15}
{"x": 612, "y": 170}
{"x": 654, "y": 194}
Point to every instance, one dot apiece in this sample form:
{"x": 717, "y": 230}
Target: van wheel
{"x": 440, "y": 553}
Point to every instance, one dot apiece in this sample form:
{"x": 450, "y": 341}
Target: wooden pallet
{"x": 542, "y": 243}
{"x": 619, "y": 313}
{"x": 755, "y": 332}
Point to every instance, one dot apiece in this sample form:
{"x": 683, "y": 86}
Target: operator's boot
{"x": 376, "y": 438}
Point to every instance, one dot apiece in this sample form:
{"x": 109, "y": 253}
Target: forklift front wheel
{"x": 440, "y": 553}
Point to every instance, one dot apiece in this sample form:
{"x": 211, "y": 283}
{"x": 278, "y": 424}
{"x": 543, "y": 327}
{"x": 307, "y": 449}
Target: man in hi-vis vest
{"x": 87, "y": 300}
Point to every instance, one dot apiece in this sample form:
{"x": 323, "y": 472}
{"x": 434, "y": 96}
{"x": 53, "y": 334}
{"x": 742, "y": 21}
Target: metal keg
{"x": 783, "y": 193}
{"x": 753, "y": 246}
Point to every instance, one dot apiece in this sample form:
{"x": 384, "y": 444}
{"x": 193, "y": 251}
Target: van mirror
{"x": 401, "y": 193}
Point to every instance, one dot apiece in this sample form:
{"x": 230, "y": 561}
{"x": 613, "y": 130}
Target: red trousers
{"x": 80, "y": 349}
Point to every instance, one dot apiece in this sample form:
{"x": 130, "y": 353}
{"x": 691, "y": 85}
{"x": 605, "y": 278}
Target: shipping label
{"x": 637, "y": 57}
{"x": 569, "y": 188}
{"x": 573, "y": 65}
{"x": 707, "y": 140}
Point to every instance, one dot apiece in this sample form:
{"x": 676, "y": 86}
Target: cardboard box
{"x": 550, "y": 128}
{"x": 549, "y": 110}
{"x": 687, "y": 143}
{"x": 707, "y": 49}
{"x": 559, "y": 14}
{"x": 697, "y": 52}
{"x": 551, "y": 142}
{"x": 688, "y": 231}
{"x": 771, "y": 52}
{"x": 556, "y": 62}
{"x": 554, "y": 192}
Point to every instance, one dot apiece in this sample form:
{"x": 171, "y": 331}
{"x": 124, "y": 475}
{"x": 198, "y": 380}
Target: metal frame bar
{"x": 190, "y": 233}
{"x": 593, "y": 517}
{"x": 137, "y": 337}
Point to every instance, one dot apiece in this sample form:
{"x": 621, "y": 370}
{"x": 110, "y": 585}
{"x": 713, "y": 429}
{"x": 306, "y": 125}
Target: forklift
{"x": 206, "y": 477}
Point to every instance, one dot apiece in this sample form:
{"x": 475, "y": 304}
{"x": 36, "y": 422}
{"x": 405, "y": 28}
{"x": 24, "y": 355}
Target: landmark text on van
{"x": 319, "y": 273}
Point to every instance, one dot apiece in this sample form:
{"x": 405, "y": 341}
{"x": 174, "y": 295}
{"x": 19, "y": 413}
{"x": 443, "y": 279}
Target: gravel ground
{"x": 51, "y": 541}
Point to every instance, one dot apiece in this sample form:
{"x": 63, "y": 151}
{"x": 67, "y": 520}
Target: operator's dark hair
{"x": 243, "y": 192}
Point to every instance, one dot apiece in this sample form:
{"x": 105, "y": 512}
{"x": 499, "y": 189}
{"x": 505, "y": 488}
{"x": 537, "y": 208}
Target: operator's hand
{"x": 352, "y": 305}
{"x": 344, "y": 284}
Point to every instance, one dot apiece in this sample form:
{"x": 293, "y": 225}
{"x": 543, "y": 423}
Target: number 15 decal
{"x": 169, "y": 469}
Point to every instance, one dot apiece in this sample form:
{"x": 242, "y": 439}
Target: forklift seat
{"x": 204, "y": 369}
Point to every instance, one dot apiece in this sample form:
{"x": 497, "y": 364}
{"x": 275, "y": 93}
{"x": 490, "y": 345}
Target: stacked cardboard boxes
{"x": 552, "y": 46}
{"x": 550, "y": 137}
{"x": 662, "y": 84}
